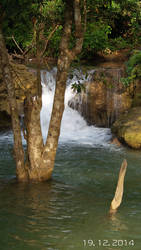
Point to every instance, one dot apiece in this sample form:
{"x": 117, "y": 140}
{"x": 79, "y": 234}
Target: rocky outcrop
{"x": 24, "y": 82}
{"x": 104, "y": 98}
{"x": 128, "y": 128}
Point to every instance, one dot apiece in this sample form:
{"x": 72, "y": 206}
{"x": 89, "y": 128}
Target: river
{"x": 71, "y": 211}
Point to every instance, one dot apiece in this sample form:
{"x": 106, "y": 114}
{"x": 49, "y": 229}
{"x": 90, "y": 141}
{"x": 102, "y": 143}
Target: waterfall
{"x": 74, "y": 128}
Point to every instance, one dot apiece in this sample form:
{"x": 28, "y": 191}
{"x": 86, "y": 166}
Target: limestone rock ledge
{"x": 24, "y": 82}
{"x": 128, "y": 128}
{"x": 104, "y": 98}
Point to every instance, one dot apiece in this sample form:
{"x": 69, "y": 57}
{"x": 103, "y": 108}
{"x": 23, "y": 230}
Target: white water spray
{"x": 74, "y": 128}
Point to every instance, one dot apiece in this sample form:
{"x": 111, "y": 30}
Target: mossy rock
{"x": 24, "y": 81}
{"x": 137, "y": 100}
{"x": 128, "y": 128}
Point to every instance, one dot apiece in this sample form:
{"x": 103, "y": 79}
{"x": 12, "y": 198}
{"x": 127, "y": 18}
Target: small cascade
{"x": 79, "y": 101}
{"x": 118, "y": 95}
{"x": 103, "y": 100}
{"x": 74, "y": 128}
{"x": 114, "y": 96}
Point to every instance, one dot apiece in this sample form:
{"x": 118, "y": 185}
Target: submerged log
{"x": 119, "y": 189}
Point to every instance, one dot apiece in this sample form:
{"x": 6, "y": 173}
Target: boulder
{"x": 128, "y": 128}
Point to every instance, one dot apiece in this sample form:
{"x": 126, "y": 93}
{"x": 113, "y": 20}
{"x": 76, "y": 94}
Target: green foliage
{"x": 111, "y": 25}
{"x": 125, "y": 81}
{"x": 124, "y": 19}
{"x": 133, "y": 69}
{"x": 54, "y": 42}
{"x": 17, "y": 21}
{"x": 78, "y": 87}
{"x": 133, "y": 63}
{"x": 22, "y": 16}
{"x": 96, "y": 37}
{"x": 48, "y": 12}
{"x": 53, "y": 10}
{"x": 118, "y": 43}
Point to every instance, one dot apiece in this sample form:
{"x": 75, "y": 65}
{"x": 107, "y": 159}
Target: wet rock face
{"x": 104, "y": 99}
{"x": 24, "y": 81}
{"x": 128, "y": 128}
{"x": 5, "y": 120}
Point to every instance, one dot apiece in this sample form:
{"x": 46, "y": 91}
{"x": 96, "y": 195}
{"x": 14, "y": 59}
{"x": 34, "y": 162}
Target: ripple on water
{"x": 74, "y": 206}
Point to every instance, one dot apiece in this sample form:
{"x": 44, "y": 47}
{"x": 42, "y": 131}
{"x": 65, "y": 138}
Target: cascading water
{"x": 74, "y": 128}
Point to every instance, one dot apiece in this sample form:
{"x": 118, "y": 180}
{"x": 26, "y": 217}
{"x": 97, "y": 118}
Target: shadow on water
{"x": 33, "y": 216}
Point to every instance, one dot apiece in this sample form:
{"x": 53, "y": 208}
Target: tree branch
{"x": 17, "y": 56}
{"x": 7, "y": 76}
{"x": 78, "y": 29}
{"x": 49, "y": 37}
{"x": 67, "y": 30}
{"x": 28, "y": 49}
{"x": 17, "y": 45}
{"x": 119, "y": 189}
{"x": 85, "y": 16}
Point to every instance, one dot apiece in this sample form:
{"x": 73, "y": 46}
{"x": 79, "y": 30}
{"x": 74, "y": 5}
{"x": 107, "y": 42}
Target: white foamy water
{"x": 74, "y": 128}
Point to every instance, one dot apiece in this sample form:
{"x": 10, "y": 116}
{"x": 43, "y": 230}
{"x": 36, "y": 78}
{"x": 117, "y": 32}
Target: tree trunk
{"x": 64, "y": 61}
{"x": 55, "y": 123}
{"x": 40, "y": 158}
{"x": 38, "y": 56}
{"x": 41, "y": 161}
{"x": 34, "y": 137}
{"x": 21, "y": 171}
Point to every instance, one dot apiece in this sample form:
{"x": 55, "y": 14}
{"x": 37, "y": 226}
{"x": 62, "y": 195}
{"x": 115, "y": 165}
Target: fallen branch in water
{"x": 119, "y": 189}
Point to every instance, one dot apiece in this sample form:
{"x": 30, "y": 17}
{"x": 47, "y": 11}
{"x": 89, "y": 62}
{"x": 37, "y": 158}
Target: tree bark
{"x": 33, "y": 136}
{"x": 51, "y": 145}
{"x": 21, "y": 171}
{"x": 42, "y": 166}
{"x": 40, "y": 158}
{"x": 39, "y": 87}
{"x": 63, "y": 65}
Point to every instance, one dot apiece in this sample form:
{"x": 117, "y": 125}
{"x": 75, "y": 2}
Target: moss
{"x": 137, "y": 100}
{"x": 128, "y": 128}
{"x": 25, "y": 82}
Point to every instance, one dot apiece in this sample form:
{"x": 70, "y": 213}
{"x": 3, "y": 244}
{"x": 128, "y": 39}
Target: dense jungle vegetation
{"x": 111, "y": 25}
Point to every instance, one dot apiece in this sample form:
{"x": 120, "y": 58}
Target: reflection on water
{"x": 72, "y": 208}
{"x": 116, "y": 223}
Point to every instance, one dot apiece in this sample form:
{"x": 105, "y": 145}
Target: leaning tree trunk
{"x": 21, "y": 171}
{"x": 64, "y": 61}
{"x": 55, "y": 124}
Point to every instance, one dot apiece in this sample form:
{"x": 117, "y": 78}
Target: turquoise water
{"x": 71, "y": 211}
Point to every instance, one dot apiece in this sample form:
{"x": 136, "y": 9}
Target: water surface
{"x": 71, "y": 211}
{"x": 73, "y": 208}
